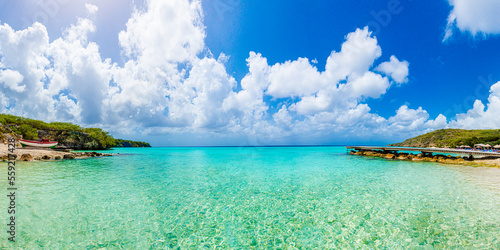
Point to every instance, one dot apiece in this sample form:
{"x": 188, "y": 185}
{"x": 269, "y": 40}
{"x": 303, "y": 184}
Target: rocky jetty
{"x": 414, "y": 157}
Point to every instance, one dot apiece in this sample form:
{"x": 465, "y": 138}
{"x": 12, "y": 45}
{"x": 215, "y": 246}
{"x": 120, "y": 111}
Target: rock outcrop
{"x": 26, "y": 157}
{"x": 23, "y": 154}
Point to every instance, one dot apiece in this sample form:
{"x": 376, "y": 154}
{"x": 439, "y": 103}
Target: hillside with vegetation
{"x": 67, "y": 134}
{"x": 452, "y": 138}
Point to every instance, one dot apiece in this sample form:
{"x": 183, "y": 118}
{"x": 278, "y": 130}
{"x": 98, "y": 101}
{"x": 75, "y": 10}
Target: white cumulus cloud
{"x": 474, "y": 17}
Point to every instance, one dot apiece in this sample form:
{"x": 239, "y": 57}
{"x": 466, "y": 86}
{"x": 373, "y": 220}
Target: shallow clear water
{"x": 303, "y": 197}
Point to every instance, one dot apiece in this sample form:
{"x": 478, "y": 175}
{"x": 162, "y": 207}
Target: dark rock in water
{"x": 95, "y": 154}
{"x": 69, "y": 156}
{"x": 46, "y": 157}
{"x": 58, "y": 157}
{"x": 26, "y": 157}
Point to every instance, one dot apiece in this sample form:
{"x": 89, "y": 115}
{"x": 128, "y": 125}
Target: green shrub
{"x": 28, "y": 132}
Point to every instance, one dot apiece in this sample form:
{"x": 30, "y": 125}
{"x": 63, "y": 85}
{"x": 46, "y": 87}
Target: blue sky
{"x": 223, "y": 72}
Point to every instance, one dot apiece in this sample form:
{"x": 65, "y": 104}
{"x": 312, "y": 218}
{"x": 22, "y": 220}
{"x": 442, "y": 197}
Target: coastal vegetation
{"x": 67, "y": 134}
{"x": 452, "y": 138}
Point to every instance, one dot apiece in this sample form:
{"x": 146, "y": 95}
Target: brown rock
{"x": 417, "y": 158}
{"x": 389, "y": 156}
{"x": 26, "y": 157}
{"x": 46, "y": 157}
{"x": 402, "y": 157}
{"x": 8, "y": 157}
{"x": 58, "y": 157}
{"x": 372, "y": 153}
{"x": 69, "y": 156}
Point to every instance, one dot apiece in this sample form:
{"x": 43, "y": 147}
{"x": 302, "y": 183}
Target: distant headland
{"x": 69, "y": 136}
{"x": 452, "y": 138}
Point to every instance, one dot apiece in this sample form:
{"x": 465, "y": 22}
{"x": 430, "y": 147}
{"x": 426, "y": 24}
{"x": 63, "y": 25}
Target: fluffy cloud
{"x": 396, "y": 69}
{"x": 170, "y": 83}
{"x": 481, "y": 116}
{"x": 92, "y": 9}
{"x": 167, "y": 32}
{"x": 11, "y": 79}
{"x": 474, "y": 16}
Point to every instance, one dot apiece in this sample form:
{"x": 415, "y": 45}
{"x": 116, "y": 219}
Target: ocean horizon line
{"x": 262, "y": 146}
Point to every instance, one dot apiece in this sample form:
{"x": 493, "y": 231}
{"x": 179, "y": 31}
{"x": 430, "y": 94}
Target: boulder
{"x": 372, "y": 153}
{"x": 417, "y": 158}
{"x": 46, "y": 157}
{"x": 403, "y": 157}
{"x": 26, "y": 157}
{"x": 6, "y": 157}
{"x": 389, "y": 156}
{"x": 69, "y": 156}
{"x": 58, "y": 157}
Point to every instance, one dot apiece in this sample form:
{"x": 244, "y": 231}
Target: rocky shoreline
{"x": 447, "y": 159}
{"x": 35, "y": 154}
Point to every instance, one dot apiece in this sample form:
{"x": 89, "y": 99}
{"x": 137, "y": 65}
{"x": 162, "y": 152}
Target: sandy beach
{"x": 35, "y": 154}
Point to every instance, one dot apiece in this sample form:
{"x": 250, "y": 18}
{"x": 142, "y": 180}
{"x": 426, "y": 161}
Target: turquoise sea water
{"x": 289, "y": 197}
